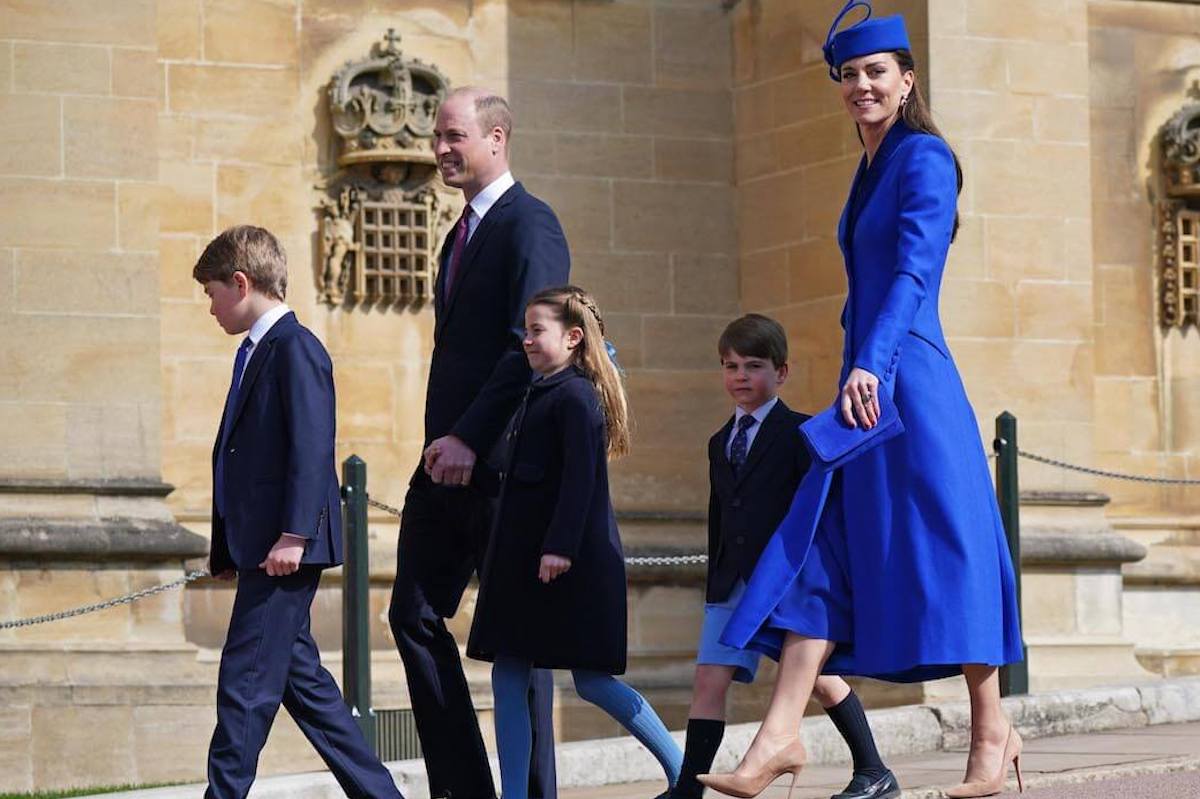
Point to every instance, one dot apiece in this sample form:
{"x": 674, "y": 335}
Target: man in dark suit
{"x": 755, "y": 462}
{"x": 506, "y": 246}
{"x": 276, "y": 523}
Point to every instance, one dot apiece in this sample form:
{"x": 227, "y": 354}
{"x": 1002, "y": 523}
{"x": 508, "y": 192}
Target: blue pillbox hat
{"x": 881, "y": 35}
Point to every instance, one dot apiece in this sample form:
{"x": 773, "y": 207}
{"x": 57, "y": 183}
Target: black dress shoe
{"x": 869, "y": 786}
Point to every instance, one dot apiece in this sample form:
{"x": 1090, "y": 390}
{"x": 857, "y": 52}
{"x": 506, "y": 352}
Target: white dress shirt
{"x": 259, "y": 329}
{"x": 759, "y": 414}
{"x": 485, "y": 199}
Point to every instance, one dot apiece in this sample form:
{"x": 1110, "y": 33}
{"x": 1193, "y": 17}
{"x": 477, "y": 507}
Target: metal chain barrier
{"x": 1105, "y": 473}
{"x": 133, "y": 596}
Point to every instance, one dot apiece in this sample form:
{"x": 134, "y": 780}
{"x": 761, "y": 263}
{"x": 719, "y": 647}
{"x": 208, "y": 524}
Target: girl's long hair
{"x": 574, "y": 307}
{"x": 915, "y": 113}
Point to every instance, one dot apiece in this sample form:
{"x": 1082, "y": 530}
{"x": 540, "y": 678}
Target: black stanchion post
{"x": 1014, "y": 679}
{"x": 356, "y": 633}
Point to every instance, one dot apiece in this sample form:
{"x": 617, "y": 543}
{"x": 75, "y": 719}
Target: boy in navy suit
{"x": 276, "y": 523}
{"x": 756, "y": 460}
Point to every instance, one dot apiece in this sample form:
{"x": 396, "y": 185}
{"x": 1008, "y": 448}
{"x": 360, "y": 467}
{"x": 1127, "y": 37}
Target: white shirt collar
{"x": 266, "y": 322}
{"x": 493, "y": 191}
{"x": 760, "y": 413}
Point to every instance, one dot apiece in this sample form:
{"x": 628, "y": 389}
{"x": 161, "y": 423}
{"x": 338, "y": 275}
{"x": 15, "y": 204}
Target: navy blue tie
{"x": 239, "y": 364}
{"x": 737, "y": 450}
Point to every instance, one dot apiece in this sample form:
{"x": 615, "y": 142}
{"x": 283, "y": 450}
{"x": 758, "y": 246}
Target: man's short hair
{"x": 755, "y": 336}
{"x": 251, "y": 250}
{"x": 491, "y": 110}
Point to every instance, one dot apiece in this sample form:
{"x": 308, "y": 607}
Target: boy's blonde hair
{"x": 251, "y": 250}
{"x": 574, "y": 307}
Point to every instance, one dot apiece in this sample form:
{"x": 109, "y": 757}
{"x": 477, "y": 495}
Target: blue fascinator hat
{"x": 880, "y": 35}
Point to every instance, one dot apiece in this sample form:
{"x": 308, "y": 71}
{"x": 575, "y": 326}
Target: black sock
{"x": 851, "y": 721}
{"x": 703, "y": 739}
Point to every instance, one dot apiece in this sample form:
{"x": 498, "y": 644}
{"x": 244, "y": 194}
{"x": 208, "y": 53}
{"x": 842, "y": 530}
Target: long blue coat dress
{"x": 906, "y": 568}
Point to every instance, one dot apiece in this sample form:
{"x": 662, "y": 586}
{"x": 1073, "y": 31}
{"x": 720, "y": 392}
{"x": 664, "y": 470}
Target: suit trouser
{"x": 443, "y": 538}
{"x": 270, "y": 658}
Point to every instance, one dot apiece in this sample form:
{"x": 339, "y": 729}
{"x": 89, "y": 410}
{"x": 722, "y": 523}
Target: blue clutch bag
{"x": 833, "y": 443}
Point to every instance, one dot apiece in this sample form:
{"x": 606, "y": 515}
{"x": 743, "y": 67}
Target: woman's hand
{"x": 552, "y": 566}
{"x": 860, "y": 399}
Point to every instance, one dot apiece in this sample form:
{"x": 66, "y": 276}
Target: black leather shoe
{"x": 870, "y": 787}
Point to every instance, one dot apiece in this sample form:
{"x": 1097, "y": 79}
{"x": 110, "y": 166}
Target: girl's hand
{"x": 552, "y": 566}
{"x": 860, "y": 399}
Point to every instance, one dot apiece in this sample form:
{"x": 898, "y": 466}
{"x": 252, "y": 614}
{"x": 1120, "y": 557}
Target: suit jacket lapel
{"x": 719, "y": 456}
{"x": 489, "y": 222}
{"x": 261, "y": 351}
{"x": 764, "y": 439}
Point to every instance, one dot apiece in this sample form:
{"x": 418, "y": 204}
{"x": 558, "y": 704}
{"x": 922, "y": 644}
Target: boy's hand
{"x": 552, "y": 566}
{"x": 448, "y": 461}
{"x": 284, "y": 557}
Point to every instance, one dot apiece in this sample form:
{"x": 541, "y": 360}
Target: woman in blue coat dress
{"x": 894, "y": 565}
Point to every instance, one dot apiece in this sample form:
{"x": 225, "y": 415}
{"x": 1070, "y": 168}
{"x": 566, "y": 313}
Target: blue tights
{"x": 514, "y": 737}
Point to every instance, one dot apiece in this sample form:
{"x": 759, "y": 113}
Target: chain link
{"x": 1137, "y": 478}
{"x": 383, "y": 506}
{"x": 666, "y": 560}
{"x": 133, "y": 596}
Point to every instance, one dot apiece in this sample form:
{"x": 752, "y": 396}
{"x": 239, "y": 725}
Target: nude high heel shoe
{"x": 975, "y": 788}
{"x": 788, "y": 760}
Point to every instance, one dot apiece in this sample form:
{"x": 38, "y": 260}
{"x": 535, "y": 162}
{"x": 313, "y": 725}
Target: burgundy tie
{"x": 460, "y": 244}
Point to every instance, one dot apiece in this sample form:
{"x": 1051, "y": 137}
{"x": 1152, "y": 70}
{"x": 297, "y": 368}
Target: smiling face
{"x": 468, "y": 157}
{"x": 873, "y": 88}
{"x": 549, "y": 344}
{"x": 751, "y": 381}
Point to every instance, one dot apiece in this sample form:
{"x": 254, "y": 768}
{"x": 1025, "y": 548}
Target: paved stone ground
{"x": 1142, "y": 763}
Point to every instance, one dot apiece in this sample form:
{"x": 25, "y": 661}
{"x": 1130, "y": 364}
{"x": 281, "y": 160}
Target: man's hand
{"x": 552, "y": 566}
{"x": 448, "y": 461}
{"x": 284, "y": 557}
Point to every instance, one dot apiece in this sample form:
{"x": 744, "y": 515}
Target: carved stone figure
{"x": 338, "y": 242}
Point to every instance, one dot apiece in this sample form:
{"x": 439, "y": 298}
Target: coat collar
{"x": 763, "y": 439}
{"x": 557, "y": 379}
{"x": 866, "y": 178}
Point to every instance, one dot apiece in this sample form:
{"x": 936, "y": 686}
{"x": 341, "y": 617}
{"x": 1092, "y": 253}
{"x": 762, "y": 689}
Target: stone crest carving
{"x": 1179, "y": 219}
{"x": 381, "y": 215}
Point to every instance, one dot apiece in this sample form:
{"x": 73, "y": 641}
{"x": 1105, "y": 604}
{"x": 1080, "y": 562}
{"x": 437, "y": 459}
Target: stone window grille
{"x": 396, "y": 260}
{"x": 1188, "y": 264}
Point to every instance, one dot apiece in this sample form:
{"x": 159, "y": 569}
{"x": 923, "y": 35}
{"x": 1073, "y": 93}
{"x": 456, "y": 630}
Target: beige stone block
{"x": 540, "y": 38}
{"x": 1026, "y": 247}
{"x": 248, "y": 140}
{"x": 682, "y": 342}
{"x": 969, "y": 114}
{"x": 170, "y": 740}
{"x": 242, "y": 91}
{"x": 16, "y": 765}
{"x": 805, "y": 95}
{"x": 107, "y": 441}
{"x": 65, "y": 754}
{"x": 764, "y": 280}
{"x": 176, "y": 256}
{"x": 1124, "y": 297}
{"x": 813, "y": 141}
{"x": 613, "y": 43}
{"x": 675, "y": 112}
{"x": 1024, "y": 19}
{"x": 273, "y": 22}
{"x": 7, "y": 266}
{"x": 1126, "y": 414}
{"x": 705, "y": 284}
{"x": 365, "y": 400}
{"x": 175, "y": 135}
{"x": 1059, "y": 69}
{"x": 63, "y": 281}
{"x": 187, "y": 198}
{"x": 659, "y": 216}
{"x": 1061, "y": 119}
{"x": 1047, "y": 603}
{"x": 625, "y": 332}
{"x": 817, "y": 270}
{"x": 625, "y": 282}
{"x": 978, "y": 308}
{"x": 756, "y": 157}
{"x": 187, "y": 465}
{"x": 706, "y": 160}
{"x": 771, "y": 211}
{"x": 136, "y": 73}
{"x": 110, "y": 138}
{"x": 552, "y": 106}
{"x": 38, "y": 210}
{"x": 1112, "y": 84}
{"x": 815, "y": 348}
{"x": 601, "y": 155}
{"x": 968, "y": 256}
{"x": 691, "y": 47}
{"x": 665, "y": 619}
{"x": 6, "y": 59}
{"x": 827, "y": 185}
{"x": 179, "y": 28}
{"x": 34, "y": 444}
{"x": 30, "y": 135}
{"x": 584, "y": 207}
{"x": 60, "y": 68}
{"x": 1077, "y": 241}
{"x": 966, "y": 64}
{"x": 273, "y": 197}
{"x": 1024, "y": 178}
{"x": 123, "y": 23}
{"x": 1122, "y": 230}
{"x": 753, "y": 109}
{"x": 137, "y": 215}
{"x": 193, "y": 396}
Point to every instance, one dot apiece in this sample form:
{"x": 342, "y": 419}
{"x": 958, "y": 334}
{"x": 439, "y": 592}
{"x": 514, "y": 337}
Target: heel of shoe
{"x": 792, "y": 787}
{"x": 1017, "y": 768}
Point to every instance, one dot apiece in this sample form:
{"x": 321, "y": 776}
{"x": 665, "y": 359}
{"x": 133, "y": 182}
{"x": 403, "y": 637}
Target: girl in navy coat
{"x": 896, "y": 567}
{"x": 552, "y": 587}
